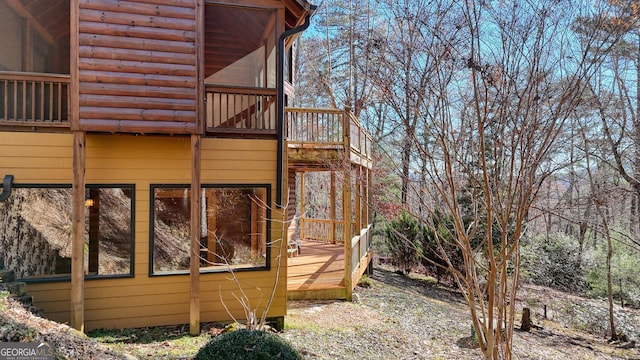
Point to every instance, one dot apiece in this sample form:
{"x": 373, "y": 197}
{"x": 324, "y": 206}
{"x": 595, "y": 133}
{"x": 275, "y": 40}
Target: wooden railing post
{"x": 346, "y": 124}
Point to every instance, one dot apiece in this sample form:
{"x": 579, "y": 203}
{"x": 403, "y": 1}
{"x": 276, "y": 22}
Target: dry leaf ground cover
{"x": 398, "y": 317}
{"x": 403, "y": 317}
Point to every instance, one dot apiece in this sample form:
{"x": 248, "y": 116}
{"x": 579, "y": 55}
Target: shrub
{"x": 248, "y": 345}
{"x": 404, "y": 241}
{"x": 625, "y": 276}
{"x": 553, "y": 262}
{"x": 438, "y": 237}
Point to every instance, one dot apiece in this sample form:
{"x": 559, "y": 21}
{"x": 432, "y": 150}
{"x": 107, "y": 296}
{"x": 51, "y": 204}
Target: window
{"x": 234, "y": 228}
{"x": 35, "y": 222}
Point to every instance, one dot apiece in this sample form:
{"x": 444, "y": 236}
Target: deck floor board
{"x": 319, "y": 266}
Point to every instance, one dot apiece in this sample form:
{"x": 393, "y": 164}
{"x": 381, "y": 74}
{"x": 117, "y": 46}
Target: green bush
{"x": 553, "y": 262}
{"x": 625, "y": 276}
{"x": 247, "y": 345}
{"x": 403, "y": 236}
{"x": 438, "y": 237}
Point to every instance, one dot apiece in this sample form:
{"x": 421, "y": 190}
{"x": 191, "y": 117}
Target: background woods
{"x": 507, "y": 132}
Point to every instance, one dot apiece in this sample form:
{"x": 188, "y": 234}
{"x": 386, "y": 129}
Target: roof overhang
{"x": 296, "y": 12}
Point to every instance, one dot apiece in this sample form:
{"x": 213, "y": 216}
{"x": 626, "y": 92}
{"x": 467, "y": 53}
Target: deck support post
{"x": 77, "y": 231}
{"x": 347, "y": 233}
{"x": 367, "y": 196}
{"x": 332, "y": 206}
{"x": 346, "y": 206}
{"x": 302, "y": 206}
{"x": 194, "y": 259}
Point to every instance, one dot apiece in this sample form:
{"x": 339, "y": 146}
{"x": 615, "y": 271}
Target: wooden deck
{"x": 317, "y": 272}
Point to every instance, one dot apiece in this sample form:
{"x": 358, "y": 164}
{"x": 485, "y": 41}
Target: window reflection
{"x": 36, "y": 231}
{"x": 233, "y": 229}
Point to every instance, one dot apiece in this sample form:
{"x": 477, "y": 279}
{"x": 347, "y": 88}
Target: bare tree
{"x": 487, "y": 163}
{"x": 473, "y": 98}
{"x": 600, "y": 203}
{"x": 617, "y": 99}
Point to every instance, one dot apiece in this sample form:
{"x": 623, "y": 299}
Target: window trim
{"x": 132, "y": 242}
{"x": 222, "y": 269}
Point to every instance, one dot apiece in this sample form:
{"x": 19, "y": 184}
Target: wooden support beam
{"x": 332, "y": 206}
{"x": 74, "y": 84}
{"x": 77, "y": 232}
{"x": 200, "y": 68}
{"x": 194, "y": 259}
{"x": 367, "y": 196}
{"x": 78, "y": 191}
{"x": 347, "y": 233}
{"x": 346, "y": 206}
{"x": 302, "y": 206}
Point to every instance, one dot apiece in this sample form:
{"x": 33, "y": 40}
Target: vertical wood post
{"x": 196, "y": 224}
{"x": 332, "y": 207}
{"x": 358, "y": 204}
{"x": 196, "y": 199}
{"x": 347, "y": 233}
{"x": 346, "y": 205}
{"x": 77, "y": 232}
{"x": 365, "y": 196}
{"x": 302, "y": 205}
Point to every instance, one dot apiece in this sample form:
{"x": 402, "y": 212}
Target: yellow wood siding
{"x": 137, "y": 66}
{"x": 143, "y": 161}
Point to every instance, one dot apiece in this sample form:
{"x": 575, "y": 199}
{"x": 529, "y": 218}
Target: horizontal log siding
{"x": 143, "y": 300}
{"x": 137, "y": 66}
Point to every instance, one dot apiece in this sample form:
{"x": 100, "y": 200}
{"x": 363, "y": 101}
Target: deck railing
{"x": 320, "y": 230}
{"x": 34, "y": 99}
{"x": 311, "y": 128}
{"x": 360, "y": 255}
{"x": 360, "y": 138}
{"x": 241, "y": 110}
{"x": 325, "y": 128}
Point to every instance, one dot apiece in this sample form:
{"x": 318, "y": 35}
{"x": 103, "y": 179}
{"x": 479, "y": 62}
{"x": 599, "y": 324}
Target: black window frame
{"x": 132, "y": 243}
{"x": 209, "y": 270}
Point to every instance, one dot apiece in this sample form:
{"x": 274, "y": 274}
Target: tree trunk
{"x": 525, "y": 324}
{"x": 612, "y": 323}
{"x": 406, "y": 160}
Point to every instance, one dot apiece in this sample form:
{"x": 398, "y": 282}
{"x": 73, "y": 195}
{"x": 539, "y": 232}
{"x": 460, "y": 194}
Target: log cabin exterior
{"x": 112, "y": 114}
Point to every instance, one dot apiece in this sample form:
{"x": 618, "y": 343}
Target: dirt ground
{"x": 397, "y": 317}
{"x": 402, "y": 317}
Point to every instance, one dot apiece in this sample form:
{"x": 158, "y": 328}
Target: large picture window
{"x": 35, "y": 226}
{"x": 234, "y": 229}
